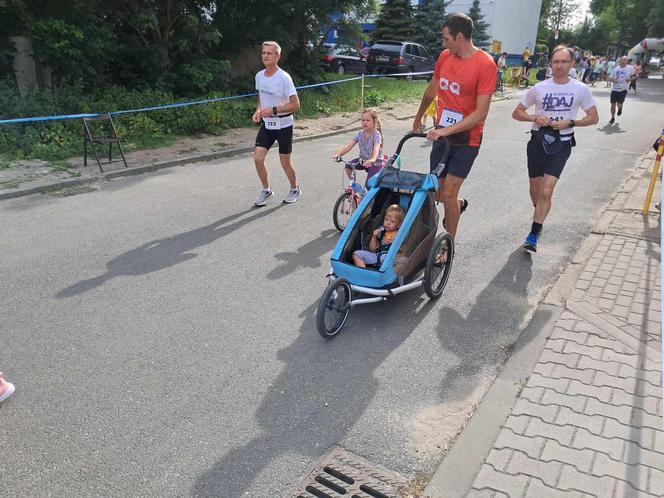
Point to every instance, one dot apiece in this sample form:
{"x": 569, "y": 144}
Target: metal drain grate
{"x": 340, "y": 473}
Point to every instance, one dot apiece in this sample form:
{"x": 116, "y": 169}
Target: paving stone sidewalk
{"x": 589, "y": 419}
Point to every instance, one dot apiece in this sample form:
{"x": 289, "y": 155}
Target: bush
{"x": 374, "y": 98}
{"x": 54, "y": 140}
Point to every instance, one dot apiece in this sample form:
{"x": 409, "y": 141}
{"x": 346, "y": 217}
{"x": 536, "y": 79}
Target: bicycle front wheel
{"x": 343, "y": 209}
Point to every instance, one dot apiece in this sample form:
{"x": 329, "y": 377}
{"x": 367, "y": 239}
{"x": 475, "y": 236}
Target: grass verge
{"x": 58, "y": 140}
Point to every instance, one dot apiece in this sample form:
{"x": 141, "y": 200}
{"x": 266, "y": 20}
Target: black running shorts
{"x": 284, "y": 137}
{"x": 618, "y": 97}
{"x": 459, "y": 162}
{"x": 540, "y": 163}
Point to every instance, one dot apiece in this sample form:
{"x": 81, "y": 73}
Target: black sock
{"x": 536, "y": 228}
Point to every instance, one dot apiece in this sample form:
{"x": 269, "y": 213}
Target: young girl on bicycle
{"x": 370, "y": 141}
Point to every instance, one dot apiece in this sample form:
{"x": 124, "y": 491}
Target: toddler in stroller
{"x": 381, "y": 238}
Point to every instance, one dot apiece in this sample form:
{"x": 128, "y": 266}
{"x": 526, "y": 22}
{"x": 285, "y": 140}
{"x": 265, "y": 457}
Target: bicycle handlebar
{"x": 349, "y": 164}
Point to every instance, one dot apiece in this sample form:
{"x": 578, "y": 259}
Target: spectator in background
{"x": 637, "y": 73}
{"x": 605, "y": 69}
{"x": 572, "y": 71}
{"x": 527, "y": 66}
{"x": 583, "y": 69}
{"x": 609, "y": 69}
{"x": 526, "y": 55}
{"x": 502, "y": 61}
{"x": 597, "y": 71}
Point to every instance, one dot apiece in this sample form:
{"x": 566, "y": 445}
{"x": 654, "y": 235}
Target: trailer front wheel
{"x": 333, "y": 308}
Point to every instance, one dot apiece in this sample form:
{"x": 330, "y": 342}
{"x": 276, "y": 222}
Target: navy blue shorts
{"x": 540, "y": 163}
{"x": 459, "y": 162}
{"x": 284, "y": 137}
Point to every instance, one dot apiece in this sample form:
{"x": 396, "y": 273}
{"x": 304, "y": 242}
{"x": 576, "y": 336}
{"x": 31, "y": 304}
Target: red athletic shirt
{"x": 460, "y": 81}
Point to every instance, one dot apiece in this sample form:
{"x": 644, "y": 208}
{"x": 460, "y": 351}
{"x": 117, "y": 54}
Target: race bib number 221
{"x": 449, "y": 117}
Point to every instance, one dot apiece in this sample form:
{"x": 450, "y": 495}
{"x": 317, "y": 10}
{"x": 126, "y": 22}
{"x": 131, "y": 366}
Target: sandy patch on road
{"x": 434, "y": 428}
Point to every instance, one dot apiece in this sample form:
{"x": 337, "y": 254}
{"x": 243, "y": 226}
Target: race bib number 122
{"x": 273, "y": 123}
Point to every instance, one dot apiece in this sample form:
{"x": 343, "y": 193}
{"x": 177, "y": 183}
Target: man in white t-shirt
{"x": 277, "y": 101}
{"x": 557, "y": 102}
{"x": 620, "y": 76}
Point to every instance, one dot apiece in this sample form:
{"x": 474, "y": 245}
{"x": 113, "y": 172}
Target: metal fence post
{"x": 362, "y": 95}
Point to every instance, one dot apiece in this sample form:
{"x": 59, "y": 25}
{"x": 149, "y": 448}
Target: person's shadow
{"x": 306, "y": 256}
{"x": 611, "y": 129}
{"x": 324, "y": 388}
{"x": 159, "y": 254}
{"x": 476, "y": 339}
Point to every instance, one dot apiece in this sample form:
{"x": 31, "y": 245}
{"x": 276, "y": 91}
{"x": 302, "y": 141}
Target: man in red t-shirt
{"x": 464, "y": 80}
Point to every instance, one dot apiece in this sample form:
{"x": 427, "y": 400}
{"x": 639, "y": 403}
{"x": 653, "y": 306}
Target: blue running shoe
{"x": 531, "y": 243}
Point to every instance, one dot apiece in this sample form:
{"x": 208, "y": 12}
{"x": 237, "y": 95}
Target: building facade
{"x": 512, "y": 24}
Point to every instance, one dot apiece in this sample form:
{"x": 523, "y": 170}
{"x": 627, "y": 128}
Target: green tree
{"x": 95, "y": 43}
{"x": 656, "y": 20}
{"x": 590, "y": 36}
{"x": 630, "y": 20}
{"x": 555, "y": 20}
{"x": 62, "y": 35}
{"x": 170, "y": 43}
{"x": 296, "y": 25}
{"x": 480, "y": 36}
{"x": 395, "y": 21}
{"x": 429, "y": 19}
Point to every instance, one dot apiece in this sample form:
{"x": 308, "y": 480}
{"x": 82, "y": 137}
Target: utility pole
{"x": 558, "y": 14}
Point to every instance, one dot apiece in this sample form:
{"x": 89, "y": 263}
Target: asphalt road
{"x": 161, "y": 331}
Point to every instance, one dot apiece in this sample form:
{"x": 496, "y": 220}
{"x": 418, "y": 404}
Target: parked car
{"x": 388, "y": 56}
{"x": 656, "y": 62}
{"x": 343, "y": 59}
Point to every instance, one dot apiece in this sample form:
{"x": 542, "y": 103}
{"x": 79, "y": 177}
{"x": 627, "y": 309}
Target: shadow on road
{"x": 474, "y": 339}
{"x": 611, "y": 129}
{"x": 306, "y": 256}
{"x": 323, "y": 389}
{"x": 159, "y": 254}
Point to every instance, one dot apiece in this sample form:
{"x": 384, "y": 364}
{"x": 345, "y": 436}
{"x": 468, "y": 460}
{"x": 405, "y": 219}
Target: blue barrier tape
{"x": 193, "y": 102}
{"x": 181, "y": 104}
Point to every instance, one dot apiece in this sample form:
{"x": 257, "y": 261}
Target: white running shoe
{"x": 7, "y": 391}
{"x": 263, "y": 196}
{"x": 292, "y": 195}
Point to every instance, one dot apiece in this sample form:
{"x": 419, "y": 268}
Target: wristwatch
{"x": 571, "y": 123}
{"x": 274, "y": 110}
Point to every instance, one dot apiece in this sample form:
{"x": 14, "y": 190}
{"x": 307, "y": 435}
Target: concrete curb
{"x": 139, "y": 170}
{"x": 456, "y": 473}
{"x": 47, "y": 187}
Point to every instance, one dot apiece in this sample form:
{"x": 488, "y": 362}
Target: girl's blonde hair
{"x": 396, "y": 211}
{"x": 376, "y": 120}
